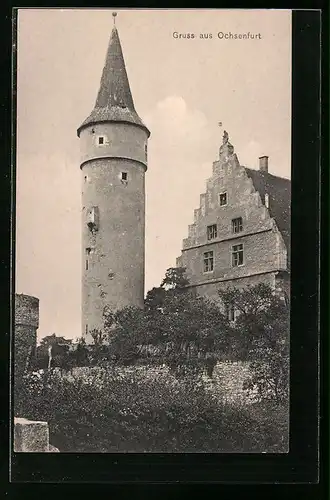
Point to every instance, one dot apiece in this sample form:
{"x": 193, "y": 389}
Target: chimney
{"x": 263, "y": 163}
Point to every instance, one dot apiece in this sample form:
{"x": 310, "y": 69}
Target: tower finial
{"x": 114, "y": 14}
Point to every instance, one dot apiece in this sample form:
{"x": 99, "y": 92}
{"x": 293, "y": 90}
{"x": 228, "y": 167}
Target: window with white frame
{"x": 212, "y": 232}
{"x": 237, "y": 255}
{"x": 208, "y": 262}
{"x": 237, "y": 225}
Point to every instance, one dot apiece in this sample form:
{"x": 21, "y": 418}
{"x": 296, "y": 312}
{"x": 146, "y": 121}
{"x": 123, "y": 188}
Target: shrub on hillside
{"x": 140, "y": 410}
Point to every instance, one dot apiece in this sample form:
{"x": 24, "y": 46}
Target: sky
{"x": 182, "y": 88}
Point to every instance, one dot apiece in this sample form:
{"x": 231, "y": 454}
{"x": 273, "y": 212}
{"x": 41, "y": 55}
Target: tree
{"x": 155, "y": 298}
{"x": 52, "y": 350}
{"x": 98, "y": 337}
{"x": 191, "y": 332}
{"x": 176, "y": 328}
{"x": 261, "y": 334}
{"x": 126, "y": 330}
{"x": 79, "y": 355}
{"x": 51, "y": 340}
{"x": 175, "y": 279}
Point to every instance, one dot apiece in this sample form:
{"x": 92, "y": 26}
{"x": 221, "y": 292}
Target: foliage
{"x": 122, "y": 406}
{"x": 98, "y": 337}
{"x": 261, "y": 334}
{"x": 65, "y": 353}
{"x": 141, "y": 410}
{"x": 184, "y": 332}
{"x": 189, "y": 335}
{"x": 60, "y": 347}
{"x": 54, "y": 340}
{"x": 154, "y": 299}
{"x": 175, "y": 278}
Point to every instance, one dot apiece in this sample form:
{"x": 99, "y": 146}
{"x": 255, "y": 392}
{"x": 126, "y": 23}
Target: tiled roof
{"x": 113, "y": 114}
{"x": 279, "y": 192}
{"x": 114, "y": 100}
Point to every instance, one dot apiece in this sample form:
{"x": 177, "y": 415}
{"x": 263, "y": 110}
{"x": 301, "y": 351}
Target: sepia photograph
{"x": 153, "y": 230}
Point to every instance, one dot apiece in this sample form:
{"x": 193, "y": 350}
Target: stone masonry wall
{"x": 114, "y": 250}
{"x": 227, "y": 382}
{"x": 210, "y": 290}
{"x": 25, "y": 331}
{"x": 264, "y": 250}
{"x": 31, "y": 436}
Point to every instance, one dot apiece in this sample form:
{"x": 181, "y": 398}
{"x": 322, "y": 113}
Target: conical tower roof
{"x": 114, "y": 101}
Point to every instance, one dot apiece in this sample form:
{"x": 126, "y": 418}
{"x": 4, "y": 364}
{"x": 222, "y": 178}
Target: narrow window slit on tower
{"x": 267, "y": 200}
{"x": 88, "y": 252}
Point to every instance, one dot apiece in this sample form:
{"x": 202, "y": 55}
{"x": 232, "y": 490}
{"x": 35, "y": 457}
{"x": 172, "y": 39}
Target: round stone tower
{"x": 25, "y": 332}
{"x": 113, "y": 142}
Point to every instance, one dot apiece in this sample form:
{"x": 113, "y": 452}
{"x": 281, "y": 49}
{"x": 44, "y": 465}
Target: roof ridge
{"x": 266, "y": 173}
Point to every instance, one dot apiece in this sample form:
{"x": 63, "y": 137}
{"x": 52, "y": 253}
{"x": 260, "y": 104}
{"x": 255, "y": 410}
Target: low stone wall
{"x": 31, "y": 436}
{"x": 228, "y": 380}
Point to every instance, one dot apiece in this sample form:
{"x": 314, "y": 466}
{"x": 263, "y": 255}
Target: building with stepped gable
{"x": 241, "y": 231}
{"x": 113, "y": 143}
{"x": 240, "y": 234}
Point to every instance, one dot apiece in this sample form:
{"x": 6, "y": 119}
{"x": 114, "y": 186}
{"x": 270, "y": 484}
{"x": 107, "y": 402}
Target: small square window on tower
{"x": 101, "y": 140}
{"x": 124, "y": 176}
{"x": 223, "y": 199}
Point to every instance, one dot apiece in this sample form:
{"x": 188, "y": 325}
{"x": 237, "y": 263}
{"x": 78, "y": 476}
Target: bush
{"x": 141, "y": 410}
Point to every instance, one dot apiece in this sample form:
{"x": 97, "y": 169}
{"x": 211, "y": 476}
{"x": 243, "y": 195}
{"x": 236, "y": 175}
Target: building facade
{"x": 113, "y": 142}
{"x": 241, "y": 231}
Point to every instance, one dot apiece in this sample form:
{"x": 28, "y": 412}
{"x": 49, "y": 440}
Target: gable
{"x": 279, "y": 192}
